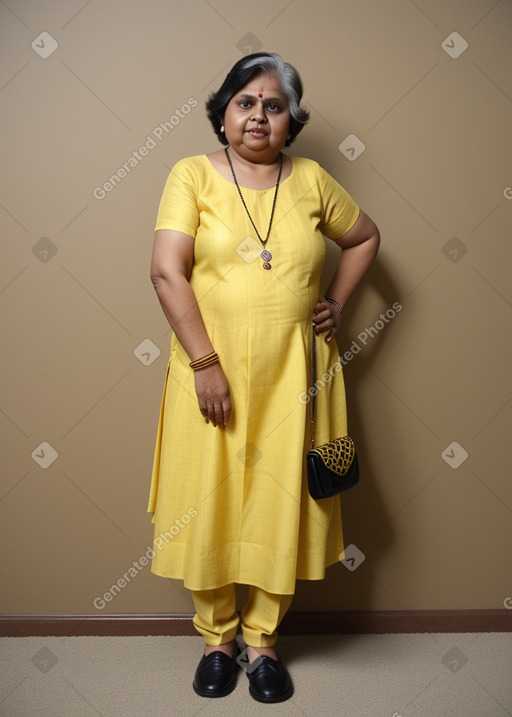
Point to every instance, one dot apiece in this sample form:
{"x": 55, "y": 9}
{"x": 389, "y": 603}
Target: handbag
{"x": 333, "y": 466}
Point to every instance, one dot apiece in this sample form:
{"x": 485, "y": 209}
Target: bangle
{"x": 336, "y": 303}
{"x": 205, "y": 361}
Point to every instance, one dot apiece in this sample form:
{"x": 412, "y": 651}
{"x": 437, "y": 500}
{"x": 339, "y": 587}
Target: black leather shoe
{"x": 216, "y": 674}
{"x": 270, "y": 681}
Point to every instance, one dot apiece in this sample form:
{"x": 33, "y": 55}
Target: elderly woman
{"x": 236, "y": 265}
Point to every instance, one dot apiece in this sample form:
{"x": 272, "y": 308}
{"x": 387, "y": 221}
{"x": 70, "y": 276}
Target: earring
{"x": 222, "y": 128}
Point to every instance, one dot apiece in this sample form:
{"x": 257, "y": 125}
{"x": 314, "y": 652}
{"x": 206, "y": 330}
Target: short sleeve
{"x": 178, "y": 205}
{"x": 339, "y": 210}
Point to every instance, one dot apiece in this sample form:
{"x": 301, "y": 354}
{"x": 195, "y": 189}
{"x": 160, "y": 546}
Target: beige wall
{"x": 77, "y": 304}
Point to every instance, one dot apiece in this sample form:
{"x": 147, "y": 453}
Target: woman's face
{"x": 257, "y": 120}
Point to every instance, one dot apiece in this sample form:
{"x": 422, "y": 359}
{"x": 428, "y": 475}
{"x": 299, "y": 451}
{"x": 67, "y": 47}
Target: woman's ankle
{"x": 254, "y": 652}
{"x": 228, "y": 648}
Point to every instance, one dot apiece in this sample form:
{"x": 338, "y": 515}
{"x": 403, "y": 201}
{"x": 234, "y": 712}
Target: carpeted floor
{"x": 437, "y": 675}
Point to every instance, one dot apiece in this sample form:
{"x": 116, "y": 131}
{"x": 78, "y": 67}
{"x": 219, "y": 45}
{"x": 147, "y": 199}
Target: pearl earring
{"x": 222, "y": 128}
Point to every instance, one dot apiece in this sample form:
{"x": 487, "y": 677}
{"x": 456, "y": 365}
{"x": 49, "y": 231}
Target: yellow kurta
{"x": 231, "y": 505}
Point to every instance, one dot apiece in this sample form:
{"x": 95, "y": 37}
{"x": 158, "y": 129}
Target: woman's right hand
{"x": 213, "y": 395}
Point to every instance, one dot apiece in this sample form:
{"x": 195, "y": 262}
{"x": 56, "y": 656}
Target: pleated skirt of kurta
{"x": 232, "y": 505}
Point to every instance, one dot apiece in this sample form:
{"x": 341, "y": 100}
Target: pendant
{"x": 266, "y": 256}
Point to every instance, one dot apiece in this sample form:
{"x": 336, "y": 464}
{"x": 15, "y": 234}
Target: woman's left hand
{"x": 327, "y": 318}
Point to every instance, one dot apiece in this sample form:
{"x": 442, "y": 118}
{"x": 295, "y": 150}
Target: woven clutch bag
{"x": 332, "y": 467}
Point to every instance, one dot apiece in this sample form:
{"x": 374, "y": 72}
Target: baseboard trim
{"x": 298, "y": 623}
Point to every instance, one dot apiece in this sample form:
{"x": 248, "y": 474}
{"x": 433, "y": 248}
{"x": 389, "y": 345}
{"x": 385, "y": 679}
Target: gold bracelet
{"x": 205, "y": 361}
{"x": 337, "y": 304}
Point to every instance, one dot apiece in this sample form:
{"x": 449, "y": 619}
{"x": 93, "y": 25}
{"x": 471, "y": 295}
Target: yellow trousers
{"x": 217, "y": 620}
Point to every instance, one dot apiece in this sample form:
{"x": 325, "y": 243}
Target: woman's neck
{"x": 253, "y": 175}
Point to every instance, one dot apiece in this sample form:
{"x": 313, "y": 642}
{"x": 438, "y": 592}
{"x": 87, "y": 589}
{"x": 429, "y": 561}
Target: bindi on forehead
{"x": 252, "y": 98}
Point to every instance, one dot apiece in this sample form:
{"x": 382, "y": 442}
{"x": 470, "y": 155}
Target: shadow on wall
{"x": 364, "y": 513}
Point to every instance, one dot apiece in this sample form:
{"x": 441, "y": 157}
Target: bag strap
{"x": 313, "y": 397}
